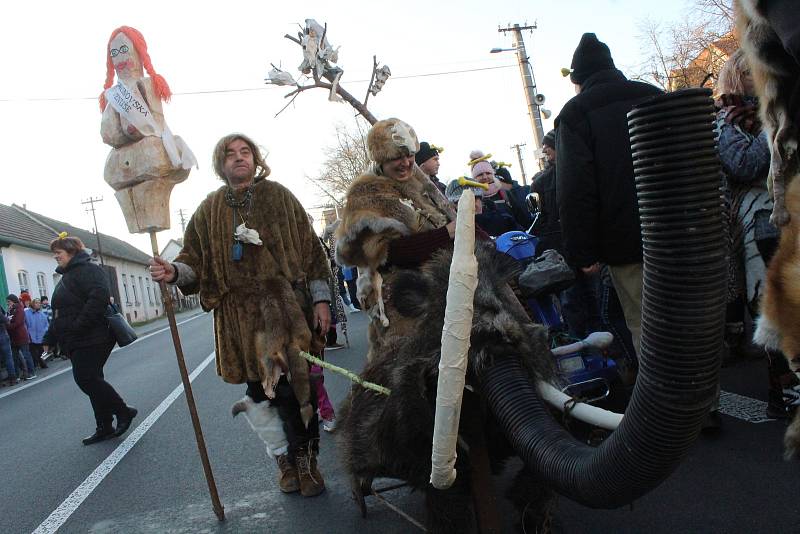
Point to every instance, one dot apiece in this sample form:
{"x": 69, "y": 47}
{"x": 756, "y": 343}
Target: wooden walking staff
{"x": 145, "y": 163}
{"x": 166, "y": 297}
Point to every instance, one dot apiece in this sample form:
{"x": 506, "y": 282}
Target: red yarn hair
{"x": 159, "y": 83}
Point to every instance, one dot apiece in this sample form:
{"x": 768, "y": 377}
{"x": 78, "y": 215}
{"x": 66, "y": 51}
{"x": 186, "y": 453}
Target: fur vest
{"x": 378, "y": 210}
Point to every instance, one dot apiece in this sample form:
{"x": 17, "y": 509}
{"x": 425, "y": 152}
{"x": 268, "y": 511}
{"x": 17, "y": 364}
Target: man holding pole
{"x": 252, "y": 237}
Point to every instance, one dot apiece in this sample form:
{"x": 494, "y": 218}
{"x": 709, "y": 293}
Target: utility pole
{"x": 182, "y": 215}
{"x": 529, "y": 85}
{"x": 518, "y": 148}
{"x": 91, "y": 202}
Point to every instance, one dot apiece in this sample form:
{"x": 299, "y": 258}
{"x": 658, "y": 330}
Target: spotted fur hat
{"x": 390, "y": 139}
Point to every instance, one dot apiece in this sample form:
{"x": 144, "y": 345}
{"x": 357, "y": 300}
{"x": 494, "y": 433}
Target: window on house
{"x": 125, "y": 288}
{"x": 41, "y": 281}
{"x": 149, "y": 294}
{"x": 135, "y": 296}
{"x": 22, "y": 277}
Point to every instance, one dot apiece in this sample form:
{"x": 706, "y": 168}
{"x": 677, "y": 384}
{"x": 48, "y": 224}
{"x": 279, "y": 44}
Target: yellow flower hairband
{"x": 62, "y": 235}
{"x": 502, "y": 164}
{"x": 437, "y": 148}
{"x": 477, "y": 160}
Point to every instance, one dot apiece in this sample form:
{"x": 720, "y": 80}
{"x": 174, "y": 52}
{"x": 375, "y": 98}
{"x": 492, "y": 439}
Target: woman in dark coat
{"x": 79, "y": 326}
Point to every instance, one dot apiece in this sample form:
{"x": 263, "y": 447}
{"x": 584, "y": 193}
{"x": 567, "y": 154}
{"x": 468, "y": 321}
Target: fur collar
{"x": 379, "y": 209}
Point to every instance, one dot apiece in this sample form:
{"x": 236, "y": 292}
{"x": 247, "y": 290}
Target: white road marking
{"x": 31, "y": 383}
{"x": 744, "y": 408}
{"x": 61, "y": 514}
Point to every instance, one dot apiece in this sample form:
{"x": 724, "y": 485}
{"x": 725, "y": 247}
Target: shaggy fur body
{"x": 777, "y": 79}
{"x": 776, "y": 75}
{"x": 242, "y": 293}
{"x": 378, "y": 210}
{"x": 391, "y": 436}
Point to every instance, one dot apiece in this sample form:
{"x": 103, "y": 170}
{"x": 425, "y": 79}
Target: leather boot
{"x": 101, "y": 433}
{"x": 311, "y": 482}
{"x": 124, "y": 420}
{"x": 288, "y": 480}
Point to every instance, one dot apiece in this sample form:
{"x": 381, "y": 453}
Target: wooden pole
{"x": 166, "y": 298}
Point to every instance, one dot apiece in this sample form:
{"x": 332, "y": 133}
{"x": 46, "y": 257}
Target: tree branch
{"x": 292, "y": 38}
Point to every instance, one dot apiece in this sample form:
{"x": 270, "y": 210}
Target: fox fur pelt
{"x": 776, "y": 75}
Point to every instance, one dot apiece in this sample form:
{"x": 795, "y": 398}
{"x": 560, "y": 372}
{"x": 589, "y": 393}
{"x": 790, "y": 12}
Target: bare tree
{"x": 319, "y": 70}
{"x": 344, "y": 161}
{"x": 689, "y": 53}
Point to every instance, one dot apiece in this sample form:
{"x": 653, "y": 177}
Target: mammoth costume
{"x": 388, "y": 223}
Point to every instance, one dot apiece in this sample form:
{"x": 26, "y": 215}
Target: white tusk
{"x": 595, "y": 340}
{"x": 455, "y": 345}
{"x": 582, "y": 411}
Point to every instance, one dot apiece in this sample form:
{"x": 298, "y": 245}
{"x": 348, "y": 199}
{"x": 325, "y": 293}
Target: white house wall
{"x": 146, "y": 305}
{"x": 143, "y": 305}
{"x": 32, "y": 262}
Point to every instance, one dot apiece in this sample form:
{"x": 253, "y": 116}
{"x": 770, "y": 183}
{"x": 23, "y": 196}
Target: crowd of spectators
{"x": 23, "y": 324}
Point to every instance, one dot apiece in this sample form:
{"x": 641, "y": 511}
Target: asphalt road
{"x": 151, "y": 480}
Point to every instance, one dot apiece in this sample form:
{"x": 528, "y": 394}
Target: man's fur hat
{"x": 390, "y": 139}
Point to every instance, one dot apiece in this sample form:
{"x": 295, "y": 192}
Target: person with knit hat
{"x": 595, "y": 187}
{"x": 497, "y": 216}
{"x": 453, "y": 193}
{"x": 513, "y": 193}
{"x": 427, "y": 157}
{"x": 394, "y": 218}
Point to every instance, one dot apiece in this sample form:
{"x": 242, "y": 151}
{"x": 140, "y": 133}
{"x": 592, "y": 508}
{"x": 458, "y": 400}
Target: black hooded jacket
{"x": 594, "y": 172}
{"x": 79, "y": 305}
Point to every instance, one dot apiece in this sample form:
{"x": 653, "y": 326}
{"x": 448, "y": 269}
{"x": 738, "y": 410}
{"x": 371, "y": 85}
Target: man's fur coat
{"x": 380, "y": 209}
{"x": 245, "y": 328}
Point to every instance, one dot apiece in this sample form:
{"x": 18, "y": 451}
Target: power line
{"x": 250, "y": 89}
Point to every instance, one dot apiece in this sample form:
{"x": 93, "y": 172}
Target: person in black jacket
{"x": 79, "y": 305}
{"x": 594, "y": 175}
{"x": 548, "y": 225}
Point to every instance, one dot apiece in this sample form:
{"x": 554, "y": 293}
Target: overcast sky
{"x": 52, "y": 56}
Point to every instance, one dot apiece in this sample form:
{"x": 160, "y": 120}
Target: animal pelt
{"x": 391, "y": 436}
{"x": 378, "y": 210}
{"x": 390, "y": 139}
{"x": 234, "y": 289}
{"x": 282, "y": 336}
{"x": 776, "y": 75}
{"x": 266, "y": 422}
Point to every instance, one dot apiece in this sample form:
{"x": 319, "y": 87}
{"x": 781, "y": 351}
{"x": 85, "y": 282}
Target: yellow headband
{"x": 478, "y": 160}
{"x": 437, "y": 148}
{"x": 62, "y": 235}
{"x": 502, "y": 164}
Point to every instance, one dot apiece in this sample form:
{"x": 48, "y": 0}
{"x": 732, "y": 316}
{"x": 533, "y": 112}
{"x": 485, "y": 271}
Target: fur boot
{"x": 265, "y": 422}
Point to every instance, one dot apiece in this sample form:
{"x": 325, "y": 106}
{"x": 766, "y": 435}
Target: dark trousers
{"x": 87, "y": 370}
{"x": 353, "y": 291}
{"x": 297, "y": 434}
{"x": 36, "y": 353}
{"x": 580, "y": 305}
